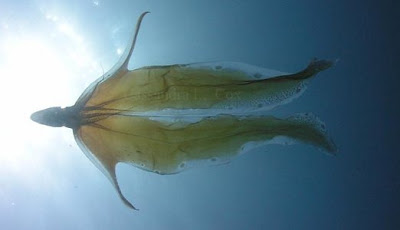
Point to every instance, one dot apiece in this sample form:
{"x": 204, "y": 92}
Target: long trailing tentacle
{"x": 121, "y": 65}
{"x": 106, "y": 167}
{"x": 128, "y": 52}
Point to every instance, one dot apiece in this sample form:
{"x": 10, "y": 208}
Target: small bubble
{"x": 213, "y": 159}
{"x": 182, "y": 165}
{"x": 218, "y": 67}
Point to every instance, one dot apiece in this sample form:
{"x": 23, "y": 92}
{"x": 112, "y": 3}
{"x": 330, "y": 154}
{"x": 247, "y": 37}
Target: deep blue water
{"x": 275, "y": 187}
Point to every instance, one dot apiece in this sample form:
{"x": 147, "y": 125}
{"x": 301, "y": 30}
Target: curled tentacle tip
{"x": 127, "y": 203}
{"x": 318, "y": 65}
{"x": 133, "y": 208}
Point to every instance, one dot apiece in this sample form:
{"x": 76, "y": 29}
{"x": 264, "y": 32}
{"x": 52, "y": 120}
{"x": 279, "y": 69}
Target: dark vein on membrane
{"x": 165, "y": 90}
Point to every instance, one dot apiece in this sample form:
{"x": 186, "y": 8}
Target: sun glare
{"x": 35, "y": 76}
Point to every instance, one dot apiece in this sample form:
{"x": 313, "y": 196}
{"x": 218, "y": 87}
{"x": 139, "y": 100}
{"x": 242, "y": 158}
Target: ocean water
{"x": 51, "y": 50}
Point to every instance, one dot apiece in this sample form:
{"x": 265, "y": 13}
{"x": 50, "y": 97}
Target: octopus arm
{"x": 167, "y": 148}
{"x": 207, "y": 88}
{"x": 119, "y": 68}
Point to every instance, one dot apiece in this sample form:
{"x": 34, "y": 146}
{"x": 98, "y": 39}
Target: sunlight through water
{"x": 38, "y": 70}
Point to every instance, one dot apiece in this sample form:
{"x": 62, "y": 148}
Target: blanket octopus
{"x": 165, "y": 119}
